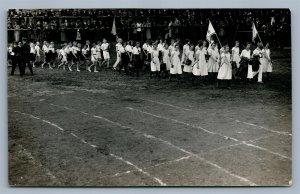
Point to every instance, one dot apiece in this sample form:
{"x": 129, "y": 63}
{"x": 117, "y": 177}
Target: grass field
{"x": 107, "y": 129}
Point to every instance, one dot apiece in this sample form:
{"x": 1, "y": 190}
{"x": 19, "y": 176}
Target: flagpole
{"x": 258, "y": 34}
{"x": 216, "y": 35}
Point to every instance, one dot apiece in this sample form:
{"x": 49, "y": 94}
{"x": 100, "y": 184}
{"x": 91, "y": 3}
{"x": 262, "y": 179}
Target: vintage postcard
{"x": 149, "y": 97}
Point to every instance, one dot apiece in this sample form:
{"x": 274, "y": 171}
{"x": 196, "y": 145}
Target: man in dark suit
{"x": 16, "y": 58}
{"x": 25, "y": 57}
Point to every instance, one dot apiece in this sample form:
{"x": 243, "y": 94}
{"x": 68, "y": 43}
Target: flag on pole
{"x": 114, "y": 29}
{"x": 210, "y": 32}
{"x": 254, "y": 32}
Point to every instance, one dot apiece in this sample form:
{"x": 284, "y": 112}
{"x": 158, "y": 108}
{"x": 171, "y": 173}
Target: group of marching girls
{"x": 92, "y": 56}
{"x": 203, "y": 61}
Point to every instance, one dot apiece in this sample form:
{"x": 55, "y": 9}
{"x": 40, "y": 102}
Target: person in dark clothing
{"x": 25, "y": 57}
{"x": 16, "y": 58}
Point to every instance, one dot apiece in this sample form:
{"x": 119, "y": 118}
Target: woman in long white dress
{"x": 175, "y": 63}
{"x": 225, "y": 71}
{"x": 155, "y": 63}
{"x": 213, "y": 61}
{"x": 203, "y": 66}
{"x": 266, "y": 61}
{"x": 196, "y": 68}
{"x": 188, "y": 60}
{"x": 166, "y": 63}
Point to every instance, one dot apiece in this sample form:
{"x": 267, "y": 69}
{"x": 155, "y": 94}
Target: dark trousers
{"x": 124, "y": 63}
{"x": 16, "y": 62}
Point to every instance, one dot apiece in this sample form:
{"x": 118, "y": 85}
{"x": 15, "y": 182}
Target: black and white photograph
{"x": 149, "y": 97}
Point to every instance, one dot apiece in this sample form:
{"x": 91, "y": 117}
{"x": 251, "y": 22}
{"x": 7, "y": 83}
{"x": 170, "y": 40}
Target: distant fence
{"x": 193, "y": 33}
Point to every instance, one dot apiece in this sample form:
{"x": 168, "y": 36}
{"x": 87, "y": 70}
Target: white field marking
{"x": 139, "y": 169}
{"x": 184, "y": 123}
{"x": 238, "y": 121}
{"x": 170, "y": 162}
{"x": 266, "y": 150}
{"x": 166, "y": 104}
{"x": 94, "y": 146}
{"x": 204, "y": 160}
{"x": 37, "y": 163}
{"x": 214, "y": 133}
{"x": 117, "y": 174}
{"x": 261, "y": 127}
{"x": 45, "y": 121}
{"x": 176, "y": 147}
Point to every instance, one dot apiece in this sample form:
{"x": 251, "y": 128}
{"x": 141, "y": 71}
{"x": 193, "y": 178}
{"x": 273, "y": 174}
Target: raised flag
{"x": 114, "y": 29}
{"x": 254, "y": 32}
{"x": 210, "y": 32}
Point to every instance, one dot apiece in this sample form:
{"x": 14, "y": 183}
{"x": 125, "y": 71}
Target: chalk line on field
{"x": 166, "y": 104}
{"x": 138, "y": 169}
{"x": 258, "y": 126}
{"x": 171, "y": 145}
{"x": 210, "y": 132}
{"x": 238, "y": 121}
{"x": 45, "y": 121}
{"x": 94, "y": 146}
{"x": 182, "y": 122}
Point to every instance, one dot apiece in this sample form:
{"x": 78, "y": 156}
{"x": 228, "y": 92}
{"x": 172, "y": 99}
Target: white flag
{"x": 254, "y": 32}
{"x": 210, "y": 32}
{"x": 114, "y": 29}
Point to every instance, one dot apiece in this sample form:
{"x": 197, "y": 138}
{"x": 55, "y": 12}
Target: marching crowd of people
{"x": 204, "y": 62}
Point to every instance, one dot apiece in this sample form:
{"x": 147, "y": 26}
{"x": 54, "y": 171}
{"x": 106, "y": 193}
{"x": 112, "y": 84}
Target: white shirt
{"x": 145, "y": 46}
{"x": 136, "y": 51}
{"x": 37, "y": 50}
{"x": 128, "y": 48}
{"x": 118, "y": 46}
{"x": 246, "y": 54}
{"x": 104, "y": 46}
{"x": 186, "y": 48}
{"x": 93, "y": 51}
{"x": 160, "y": 46}
{"x": 121, "y": 49}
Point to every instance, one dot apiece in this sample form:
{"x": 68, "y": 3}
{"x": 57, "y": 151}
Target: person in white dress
{"x": 235, "y": 51}
{"x": 213, "y": 61}
{"x": 236, "y": 54}
{"x": 266, "y": 61}
{"x": 75, "y": 50}
{"x": 38, "y": 52}
{"x": 185, "y": 50}
{"x": 166, "y": 62}
{"x": 93, "y": 58}
{"x": 63, "y": 57}
{"x": 225, "y": 71}
{"x": 189, "y": 60}
{"x": 203, "y": 66}
{"x": 175, "y": 63}
{"x": 105, "y": 50}
{"x": 45, "y": 49}
{"x": 85, "y": 52}
{"x": 155, "y": 63}
{"x": 196, "y": 67}
{"x": 118, "y": 45}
